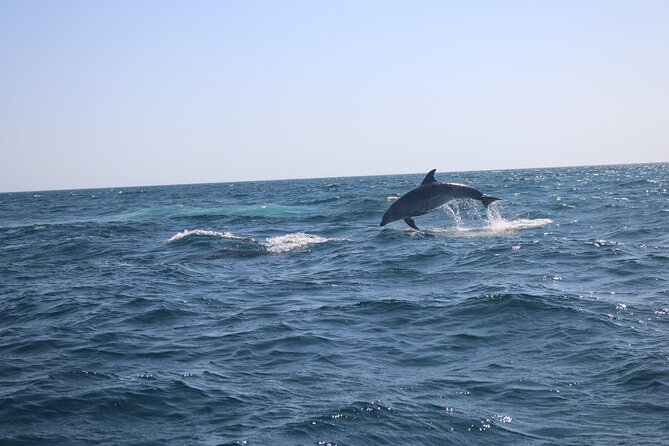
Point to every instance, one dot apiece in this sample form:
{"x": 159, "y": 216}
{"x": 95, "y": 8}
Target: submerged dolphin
{"x": 429, "y": 195}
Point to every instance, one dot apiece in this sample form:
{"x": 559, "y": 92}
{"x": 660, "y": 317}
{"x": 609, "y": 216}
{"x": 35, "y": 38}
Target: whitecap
{"x": 275, "y": 245}
{"x": 205, "y": 233}
{"x": 289, "y": 242}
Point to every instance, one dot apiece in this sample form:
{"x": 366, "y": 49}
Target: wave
{"x": 274, "y": 245}
{"x": 205, "y": 233}
{"x": 289, "y": 242}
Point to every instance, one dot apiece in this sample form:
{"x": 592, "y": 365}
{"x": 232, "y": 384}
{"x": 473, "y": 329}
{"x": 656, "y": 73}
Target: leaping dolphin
{"x": 429, "y": 195}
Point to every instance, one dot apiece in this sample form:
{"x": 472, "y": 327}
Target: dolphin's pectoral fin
{"x": 410, "y": 222}
{"x": 429, "y": 178}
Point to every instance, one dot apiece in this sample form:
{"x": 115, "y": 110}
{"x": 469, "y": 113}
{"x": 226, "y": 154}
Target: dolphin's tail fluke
{"x": 487, "y": 200}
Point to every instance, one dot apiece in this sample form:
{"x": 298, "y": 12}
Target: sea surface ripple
{"x": 280, "y": 312}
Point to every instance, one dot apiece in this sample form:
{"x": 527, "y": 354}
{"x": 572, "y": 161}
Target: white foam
{"x": 202, "y": 232}
{"x": 497, "y": 228}
{"x": 497, "y": 223}
{"x": 522, "y": 223}
{"x": 494, "y": 226}
{"x": 289, "y": 242}
{"x": 275, "y": 245}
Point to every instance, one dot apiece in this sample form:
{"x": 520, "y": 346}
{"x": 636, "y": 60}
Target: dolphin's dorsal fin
{"x": 429, "y": 178}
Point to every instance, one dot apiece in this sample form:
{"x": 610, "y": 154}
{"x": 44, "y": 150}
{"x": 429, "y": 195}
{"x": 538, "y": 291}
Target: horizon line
{"x": 323, "y": 178}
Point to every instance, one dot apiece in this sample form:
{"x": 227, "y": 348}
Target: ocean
{"x": 279, "y": 312}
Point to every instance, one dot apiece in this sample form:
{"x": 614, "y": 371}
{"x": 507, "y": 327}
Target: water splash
{"x": 497, "y": 223}
{"x": 470, "y": 223}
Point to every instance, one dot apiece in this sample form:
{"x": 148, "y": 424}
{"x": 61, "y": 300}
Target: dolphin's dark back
{"x": 430, "y": 195}
{"x": 425, "y": 198}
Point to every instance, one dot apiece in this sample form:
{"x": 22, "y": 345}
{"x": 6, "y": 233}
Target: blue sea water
{"x": 280, "y": 312}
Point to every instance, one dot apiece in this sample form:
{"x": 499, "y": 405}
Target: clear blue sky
{"x": 119, "y": 93}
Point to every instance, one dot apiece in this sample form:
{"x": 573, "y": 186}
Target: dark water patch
{"x": 236, "y": 253}
{"x": 163, "y": 315}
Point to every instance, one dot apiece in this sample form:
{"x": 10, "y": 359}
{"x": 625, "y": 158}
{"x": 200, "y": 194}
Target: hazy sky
{"x": 116, "y": 93}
